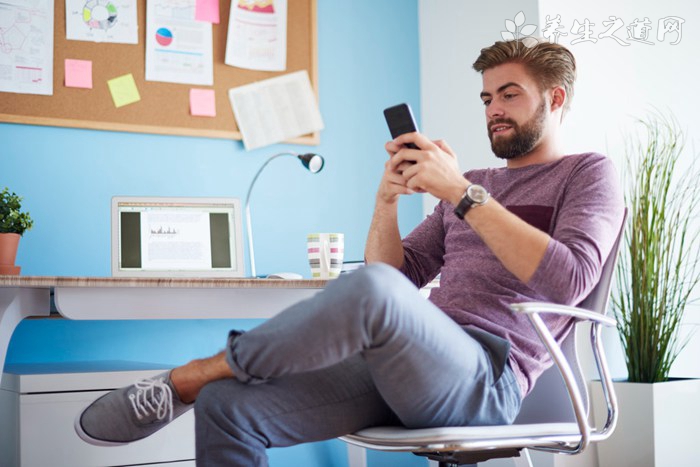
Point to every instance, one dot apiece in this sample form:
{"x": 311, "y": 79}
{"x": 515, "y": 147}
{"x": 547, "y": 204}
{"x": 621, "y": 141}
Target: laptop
{"x": 176, "y": 237}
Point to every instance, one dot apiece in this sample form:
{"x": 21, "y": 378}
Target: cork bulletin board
{"x": 164, "y": 108}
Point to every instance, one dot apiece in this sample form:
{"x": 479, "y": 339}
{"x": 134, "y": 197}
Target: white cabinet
{"x": 39, "y": 404}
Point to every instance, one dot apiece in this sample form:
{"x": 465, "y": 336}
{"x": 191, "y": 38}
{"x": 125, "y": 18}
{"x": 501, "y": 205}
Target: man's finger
{"x": 442, "y": 144}
{"x": 392, "y": 148}
{"x": 416, "y": 138}
{"x": 404, "y": 156}
{"x": 403, "y": 166}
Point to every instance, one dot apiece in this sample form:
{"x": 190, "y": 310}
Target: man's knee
{"x": 379, "y": 280}
{"x": 382, "y": 292}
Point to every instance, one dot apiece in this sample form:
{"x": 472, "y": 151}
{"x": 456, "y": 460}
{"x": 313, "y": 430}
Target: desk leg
{"x": 356, "y": 456}
{"x": 17, "y": 303}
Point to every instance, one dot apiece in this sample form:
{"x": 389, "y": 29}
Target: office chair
{"x": 553, "y": 417}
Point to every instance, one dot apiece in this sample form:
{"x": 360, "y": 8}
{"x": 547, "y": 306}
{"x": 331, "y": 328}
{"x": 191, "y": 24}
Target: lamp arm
{"x": 251, "y": 252}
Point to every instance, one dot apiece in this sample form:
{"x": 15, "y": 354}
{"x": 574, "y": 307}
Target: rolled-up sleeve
{"x": 424, "y": 249}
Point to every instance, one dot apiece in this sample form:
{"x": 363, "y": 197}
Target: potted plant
{"x": 13, "y": 224}
{"x": 658, "y": 271}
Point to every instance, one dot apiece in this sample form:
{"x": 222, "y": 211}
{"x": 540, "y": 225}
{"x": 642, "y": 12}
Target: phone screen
{"x": 400, "y": 120}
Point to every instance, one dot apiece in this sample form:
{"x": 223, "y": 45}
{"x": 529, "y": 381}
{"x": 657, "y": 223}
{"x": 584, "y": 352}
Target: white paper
{"x": 102, "y": 21}
{"x": 275, "y": 109}
{"x": 176, "y": 240}
{"x": 26, "y": 46}
{"x": 257, "y": 35}
{"x": 178, "y": 48}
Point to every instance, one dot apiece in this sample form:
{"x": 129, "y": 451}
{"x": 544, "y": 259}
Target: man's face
{"x": 516, "y": 111}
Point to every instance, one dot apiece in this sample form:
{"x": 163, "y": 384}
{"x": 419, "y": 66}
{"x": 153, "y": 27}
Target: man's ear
{"x": 558, "y": 98}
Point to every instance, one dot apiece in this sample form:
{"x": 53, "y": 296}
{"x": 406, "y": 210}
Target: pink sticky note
{"x": 202, "y": 102}
{"x": 207, "y": 10}
{"x": 78, "y": 74}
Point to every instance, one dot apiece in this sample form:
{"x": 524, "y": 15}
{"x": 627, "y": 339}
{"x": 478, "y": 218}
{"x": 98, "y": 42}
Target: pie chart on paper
{"x": 99, "y": 14}
{"x": 164, "y": 37}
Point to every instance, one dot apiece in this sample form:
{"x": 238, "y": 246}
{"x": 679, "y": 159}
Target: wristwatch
{"x": 474, "y": 195}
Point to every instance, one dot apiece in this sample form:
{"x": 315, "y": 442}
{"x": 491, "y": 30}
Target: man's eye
{"x": 508, "y": 96}
{"x": 487, "y": 102}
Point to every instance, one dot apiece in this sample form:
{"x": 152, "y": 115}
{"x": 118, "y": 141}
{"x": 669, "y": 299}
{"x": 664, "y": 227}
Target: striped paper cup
{"x": 325, "y": 252}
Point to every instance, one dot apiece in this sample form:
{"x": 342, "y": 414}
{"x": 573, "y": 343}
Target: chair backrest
{"x": 549, "y": 401}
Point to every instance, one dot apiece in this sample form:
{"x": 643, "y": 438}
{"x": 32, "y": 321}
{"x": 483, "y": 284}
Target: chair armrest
{"x": 578, "y": 313}
{"x": 532, "y": 310}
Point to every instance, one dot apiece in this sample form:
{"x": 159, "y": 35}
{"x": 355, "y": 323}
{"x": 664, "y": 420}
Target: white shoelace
{"x": 152, "y": 397}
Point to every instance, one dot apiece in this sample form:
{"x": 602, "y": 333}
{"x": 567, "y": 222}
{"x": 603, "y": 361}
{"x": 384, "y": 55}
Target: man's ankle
{"x": 190, "y": 378}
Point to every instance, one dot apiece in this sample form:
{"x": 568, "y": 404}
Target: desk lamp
{"x": 312, "y": 162}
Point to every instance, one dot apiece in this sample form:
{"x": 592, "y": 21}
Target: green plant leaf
{"x": 12, "y": 219}
{"x": 659, "y": 265}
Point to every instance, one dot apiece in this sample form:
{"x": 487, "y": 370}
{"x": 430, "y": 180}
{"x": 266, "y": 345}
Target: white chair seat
{"x": 428, "y": 439}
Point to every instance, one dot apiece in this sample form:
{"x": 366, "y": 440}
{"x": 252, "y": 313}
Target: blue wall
{"x": 368, "y": 60}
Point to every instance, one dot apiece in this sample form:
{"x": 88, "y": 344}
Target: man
{"x": 368, "y": 350}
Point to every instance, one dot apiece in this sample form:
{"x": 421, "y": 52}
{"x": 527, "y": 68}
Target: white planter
{"x": 659, "y": 424}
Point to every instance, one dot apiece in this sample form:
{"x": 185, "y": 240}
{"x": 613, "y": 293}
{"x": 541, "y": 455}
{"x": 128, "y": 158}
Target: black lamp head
{"x": 312, "y": 162}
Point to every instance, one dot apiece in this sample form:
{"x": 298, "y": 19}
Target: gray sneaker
{"x": 130, "y": 413}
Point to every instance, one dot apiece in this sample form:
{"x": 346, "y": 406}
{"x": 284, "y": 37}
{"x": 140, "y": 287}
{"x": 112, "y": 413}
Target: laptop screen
{"x": 176, "y": 237}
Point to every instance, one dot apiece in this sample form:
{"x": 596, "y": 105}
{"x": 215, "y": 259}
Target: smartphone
{"x": 400, "y": 120}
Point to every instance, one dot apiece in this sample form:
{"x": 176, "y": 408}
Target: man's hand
{"x": 392, "y": 185}
{"x": 432, "y": 168}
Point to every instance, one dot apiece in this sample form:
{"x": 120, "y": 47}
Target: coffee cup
{"x": 325, "y": 252}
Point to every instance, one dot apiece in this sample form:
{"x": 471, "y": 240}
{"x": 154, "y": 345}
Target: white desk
{"x": 112, "y": 298}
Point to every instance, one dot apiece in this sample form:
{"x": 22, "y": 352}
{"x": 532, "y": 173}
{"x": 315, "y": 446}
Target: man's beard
{"x": 523, "y": 140}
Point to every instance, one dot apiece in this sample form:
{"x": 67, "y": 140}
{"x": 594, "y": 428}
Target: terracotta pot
{"x": 8, "y": 253}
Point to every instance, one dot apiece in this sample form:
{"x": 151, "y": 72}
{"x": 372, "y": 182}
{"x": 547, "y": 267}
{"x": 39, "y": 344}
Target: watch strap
{"x": 467, "y": 203}
{"x": 464, "y": 205}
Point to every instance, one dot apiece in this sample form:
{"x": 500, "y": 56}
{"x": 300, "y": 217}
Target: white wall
{"x": 618, "y": 83}
{"x": 615, "y": 84}
{"x": 452, "y": 33}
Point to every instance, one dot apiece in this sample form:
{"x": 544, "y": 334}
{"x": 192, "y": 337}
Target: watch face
{"x": 477, "y": 194}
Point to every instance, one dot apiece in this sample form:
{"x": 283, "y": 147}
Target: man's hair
{"x": 549, "y": 64}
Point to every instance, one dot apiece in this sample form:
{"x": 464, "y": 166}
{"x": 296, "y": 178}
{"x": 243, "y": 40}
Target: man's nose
{"x": 494, "y": 110}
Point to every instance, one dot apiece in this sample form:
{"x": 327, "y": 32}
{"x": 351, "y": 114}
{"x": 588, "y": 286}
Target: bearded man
{"x": 369, "y": 350}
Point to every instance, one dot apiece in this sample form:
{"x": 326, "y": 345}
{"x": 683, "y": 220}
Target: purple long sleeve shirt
{"x": 576, "y": 200}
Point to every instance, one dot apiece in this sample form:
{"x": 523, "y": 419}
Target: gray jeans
{"x": 368, "y": 350}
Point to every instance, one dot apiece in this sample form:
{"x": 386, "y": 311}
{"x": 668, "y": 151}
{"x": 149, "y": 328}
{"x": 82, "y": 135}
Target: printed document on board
{"x": 102, "y": 21}
{"x": 257, "y": 35}
{"x": 275, "y": 109}
{"x": 26, "y": 46}
{"x": 178, "y": 48}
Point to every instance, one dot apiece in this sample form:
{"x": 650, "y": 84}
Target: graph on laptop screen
{"x": 176, "y": 237}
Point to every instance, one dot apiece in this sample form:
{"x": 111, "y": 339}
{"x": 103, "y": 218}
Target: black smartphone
{"x": 400, "y": 120}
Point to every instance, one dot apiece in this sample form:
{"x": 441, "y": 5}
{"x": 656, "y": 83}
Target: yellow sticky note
{"x": 124, "y": 90}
